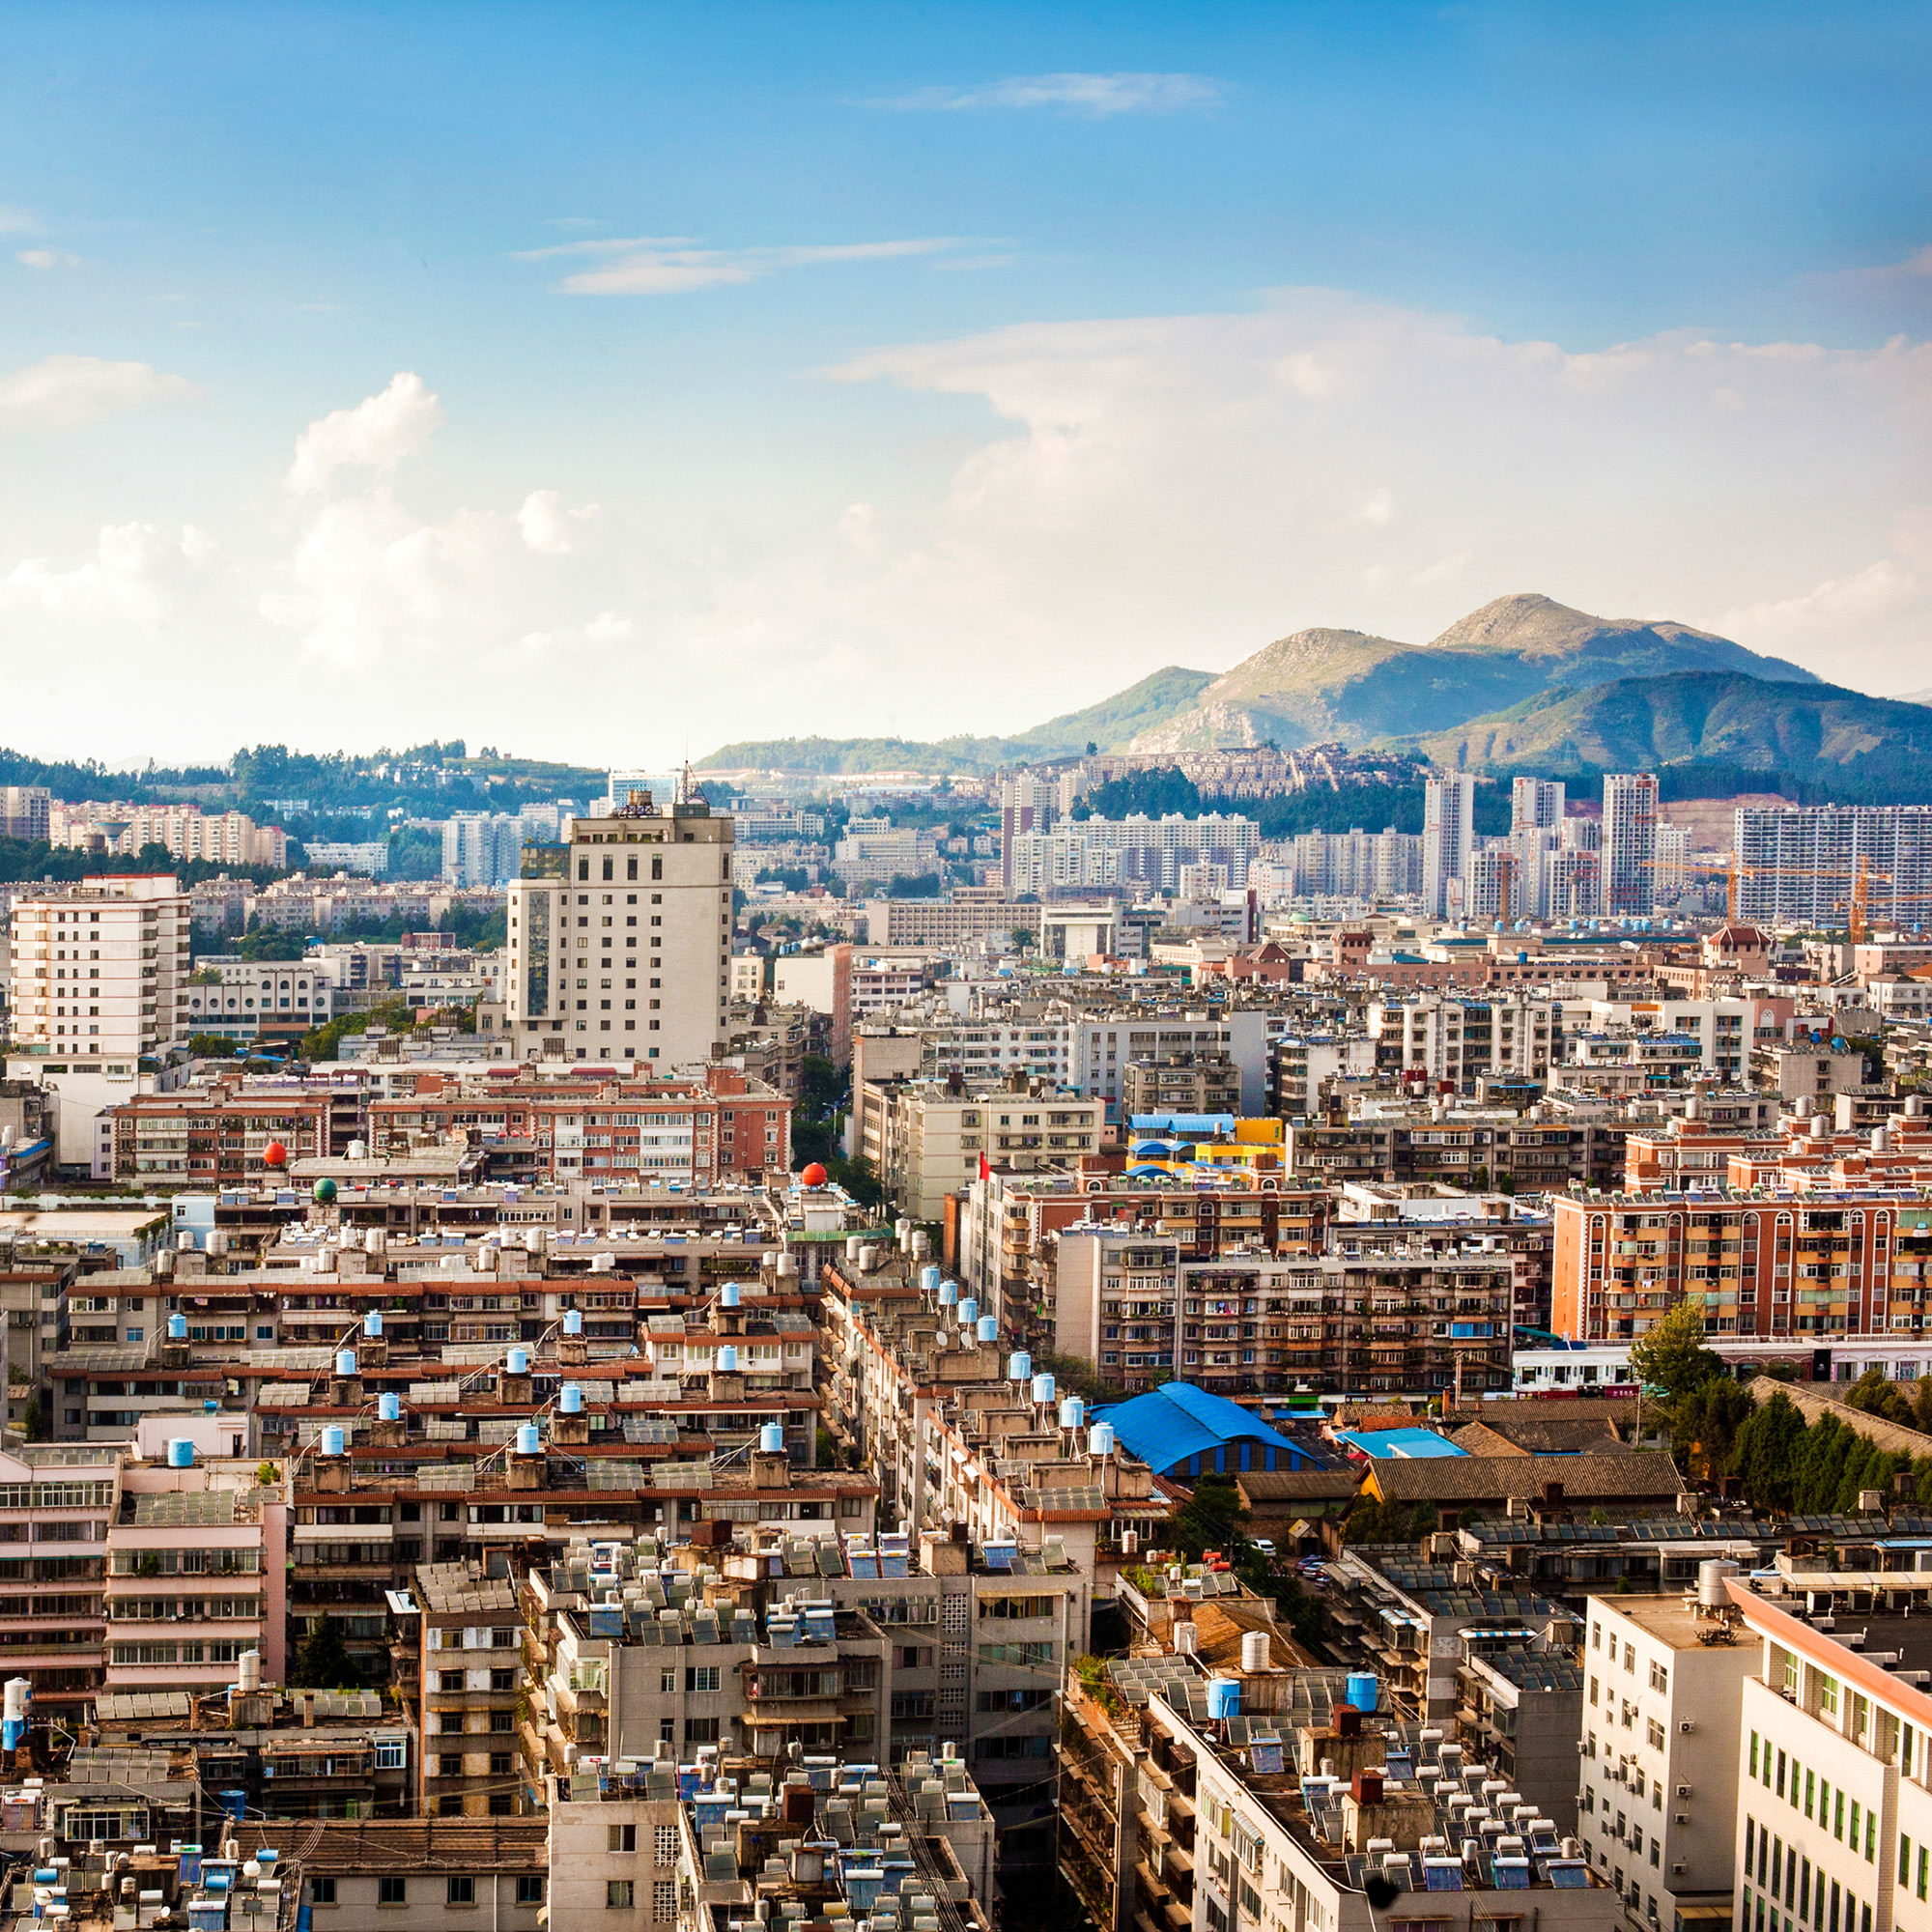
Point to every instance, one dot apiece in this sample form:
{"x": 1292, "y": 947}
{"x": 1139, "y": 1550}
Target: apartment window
{"x": 703, "y": 1678}
{"x": 321, "y": 1892}
{"x": 391, "y": 1753}
{"x": 667, "y": 1682}
{"x": 392, "y": 1892}
{"x": 618, "y": 1894}
{"x": 461, "y": 1890}
{"x": 1660, "y": 1679}
{"x": 530, "y": 1887}
{"x": 621, "y": 1837}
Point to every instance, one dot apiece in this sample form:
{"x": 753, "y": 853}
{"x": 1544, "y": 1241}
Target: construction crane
{"x": 1857, "y": 904}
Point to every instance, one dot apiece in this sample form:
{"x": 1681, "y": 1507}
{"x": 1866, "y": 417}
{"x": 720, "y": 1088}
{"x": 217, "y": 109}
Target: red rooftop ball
{"x": 276, "y": 1154}
{"x": 813, "y": 1176}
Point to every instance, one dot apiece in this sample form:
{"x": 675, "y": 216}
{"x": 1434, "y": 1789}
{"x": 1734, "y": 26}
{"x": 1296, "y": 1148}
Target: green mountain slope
{"x": 1109, "y": 725}
{"x": 1319, "y": 685}
{"x": 1819, "y": 735}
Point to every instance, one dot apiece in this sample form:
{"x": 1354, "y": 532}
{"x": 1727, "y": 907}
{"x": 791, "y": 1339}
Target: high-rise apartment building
{"x": 24, "y": 811}
{"x": 99, "y": 969}
{"x": 1027, "y": 804}
{"x": 1536, "y": 805}
{"x": 1629, "y": 886}
{"x": 1448, "y": 841}
{"x": 481, "y": 848}
{"x": 1493, "y": 886}
{"x": 619, "y": 941}
{"x": 1799, "y": 865}
{"x": 1536, "y": 838}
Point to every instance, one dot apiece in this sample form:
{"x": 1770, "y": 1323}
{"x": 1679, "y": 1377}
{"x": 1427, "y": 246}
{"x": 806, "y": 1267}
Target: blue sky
{"x": 761, "y": 369}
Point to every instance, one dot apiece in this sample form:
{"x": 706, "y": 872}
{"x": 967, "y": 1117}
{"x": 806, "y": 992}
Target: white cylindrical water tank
{"x": 252, "y": 1670}
{"x": 1019, "y": 1366}
{"x": 180, "y": 1452}
{"x": 868, "y": 1259}
{"x": 345, "y": 1361}
{"x": 968, "y": 1312}
{"x": 13, "y": 1700}
{"x": 177, "y": 1328}
{"x": 389, "y": 1406}
{"x": 1072, "y": 1412}
{"x": 518, "y": 1362}
{"x": 334, "y": 1441}
{"x": 988, "y": 1329}
{"x": 727, "y": 1359}
{"x": 928, "y": 1279}
{"x": 949, "y": 1294}
{"x": 573, "y": 1322}
{"x": 570, "y": 1400}
{"x": 372, "y": 1324}
{"x": 772, "y": 1438}
{"x": 1254, "y": 1651}
{"x": 1711, "y": 1592}
{"x": 1101, "y": 1440}
{"x": 1043, "y": 1388}
{"x": 529, "y": 1441}
{"x": 727, "y": 1295}
{"x": 853, "y": 1244}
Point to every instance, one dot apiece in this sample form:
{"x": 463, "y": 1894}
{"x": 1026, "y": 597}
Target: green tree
{"x": 322, "y": 1660}
{"x": 1672, "y": 1355}
{"x": 1765, "y": 1452}
{"x": 1704, "y": 1426}
{"x": 1875, "y": 1393}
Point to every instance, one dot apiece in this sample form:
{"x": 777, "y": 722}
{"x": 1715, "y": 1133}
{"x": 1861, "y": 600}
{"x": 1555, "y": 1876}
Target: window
{"x": 1660, "y": 1679}
{"x": 703, "y": 1678}
{"x": 461, "y": 1890}
{"x": 617, "y": 1894}
{"x": 391, "y": 1753}
{"x": 621, "y": 1837}
{"x": 392, "y": 1892}
{"x": 1656, "y": 1734}
{"x": 321, "y": 1892}
{"x": 530, "y": 1887}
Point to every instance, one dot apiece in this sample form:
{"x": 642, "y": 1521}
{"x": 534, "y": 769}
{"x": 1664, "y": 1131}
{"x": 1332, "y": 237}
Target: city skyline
{"x": 751, "y": 380}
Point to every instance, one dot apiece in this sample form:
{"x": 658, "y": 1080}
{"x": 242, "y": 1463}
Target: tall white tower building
{"x": 1448, "y": 839}
{"x": 619, "y": 939}
{"x": 1629, "y": 886}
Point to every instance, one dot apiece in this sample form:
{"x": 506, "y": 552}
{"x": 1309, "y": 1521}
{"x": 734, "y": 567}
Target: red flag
{"x": 985, "y": 1169}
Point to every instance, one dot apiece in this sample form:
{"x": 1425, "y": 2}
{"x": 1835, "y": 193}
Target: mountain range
{"x": 1524, "y": 681}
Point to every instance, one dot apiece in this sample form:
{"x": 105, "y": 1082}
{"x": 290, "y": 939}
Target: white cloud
{"x": 1096, "y": 95}
{"x": 73, "y": 392}
{"x": 377, "y": 434}
{"x": 668, "y": 266}
{"x": 47, "y": 258}
{"x": 135, "y": 575}
{"x": 17, "y": 221}
{"x": 545, "y": 523}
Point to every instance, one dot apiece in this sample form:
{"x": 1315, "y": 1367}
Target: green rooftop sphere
{"x": 325, "y": 1191}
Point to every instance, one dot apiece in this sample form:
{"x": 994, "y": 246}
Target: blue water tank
{"x": 949, "y": 1294}
{"x": 334, "y": 1441}
{"x": 1101, "y": 1440}
{"x": 518, "y": 1362}
{"x": 389, "y": 1406}
{"x": 573, "y": 1322}
{"x": 928, "y": 1279}
{"x": 372, "y": 1323}
{"x": 1224, "y": 1697}
{"x": 1365, "y": 1690}
{"x": 1043, "y": 1388}
{"x": 727, "y": 1295}
{"x": 1019, "y": 1366}
{"x": 968, "y": 1312}
{"x": 988, "y": 1329}
{"x": 772, "y": 1438}
{"x": 345, "y": 1361}
{"x": 727, "y": 1359}
{"x": 529, "y": 1442}
{"x": 1072, "y": 1412}
{"x": 180, "y": 1453}
{"x": 177, "y": 1328}
{"x": 570, "y": 1400}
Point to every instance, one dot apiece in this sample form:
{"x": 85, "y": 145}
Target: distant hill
{"x": 1315, "y": 686}
{"x": 1821, "y": 737}
{"x": 1320, "y": 685}
{"x": 1108, "y": 725}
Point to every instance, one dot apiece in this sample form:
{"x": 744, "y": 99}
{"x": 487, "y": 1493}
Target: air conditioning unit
{"x": 1678, "y": 1869}
{"x": 1683, "y": 1791}
{"x": 1680, "y": 1817}
{"x": 1686, "y": 1726}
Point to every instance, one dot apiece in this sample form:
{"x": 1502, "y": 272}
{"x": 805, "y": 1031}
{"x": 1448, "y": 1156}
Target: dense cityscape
{"x": 965, "y": 969}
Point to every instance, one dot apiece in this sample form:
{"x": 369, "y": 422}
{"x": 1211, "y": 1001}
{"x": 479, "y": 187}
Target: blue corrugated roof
{"x": 1406, "y": 1445}
{"x": 1170, "y": 1424}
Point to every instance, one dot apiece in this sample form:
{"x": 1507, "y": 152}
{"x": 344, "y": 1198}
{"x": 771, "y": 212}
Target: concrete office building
{"x": 620, "y": 943}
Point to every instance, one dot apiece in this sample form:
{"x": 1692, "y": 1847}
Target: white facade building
{"x": 620, "y": 943}
{"x": 1629, "y": 844}
{"x": 1448, "y": 841}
